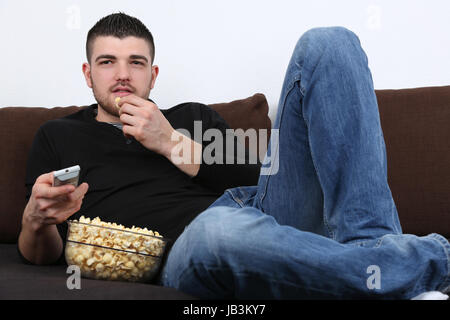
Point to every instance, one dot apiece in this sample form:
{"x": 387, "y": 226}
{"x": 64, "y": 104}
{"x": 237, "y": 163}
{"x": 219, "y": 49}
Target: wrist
{"x": 31, "y": 224}
{"x": 173, "y": 140}
{"x": 184, "y": 153}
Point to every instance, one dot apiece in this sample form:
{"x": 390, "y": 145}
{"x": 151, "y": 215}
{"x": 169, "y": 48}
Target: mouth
{"x": 122, "y": 92}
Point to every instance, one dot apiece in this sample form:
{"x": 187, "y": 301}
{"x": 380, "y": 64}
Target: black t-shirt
{"x": 129, "y": 184}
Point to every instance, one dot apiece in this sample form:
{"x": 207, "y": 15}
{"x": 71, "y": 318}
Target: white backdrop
{"x": 213, "y": 50}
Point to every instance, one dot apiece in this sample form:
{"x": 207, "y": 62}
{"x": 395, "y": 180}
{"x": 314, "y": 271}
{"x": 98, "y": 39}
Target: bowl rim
{"x": 166, "y": 240}
{"x": 122, "y": 250}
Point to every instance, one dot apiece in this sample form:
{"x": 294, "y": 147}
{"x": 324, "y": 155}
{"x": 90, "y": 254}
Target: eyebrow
{"x": 133, "y": 57}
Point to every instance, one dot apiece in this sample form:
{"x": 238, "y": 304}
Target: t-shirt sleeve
{"x": 42, "y": 158}
{"x": 225, "y": 162}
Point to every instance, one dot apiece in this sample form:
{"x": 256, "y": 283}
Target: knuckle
{"x": 70, "y": 197}
{"x": 36, "y": 191}
{"x": 147, "y": 114}
{"x": 41, "y": 206}
{"x": 139, "y": 132}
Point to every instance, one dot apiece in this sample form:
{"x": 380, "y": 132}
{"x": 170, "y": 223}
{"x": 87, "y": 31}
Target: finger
{"x": 61, "y": 211}
{"x": 131, "y": 110}
{"x": 79, "y": 192}
{"x": 129, "y": 131}
{"x": 49, "y": 192}
{"x": 126, "y": 119}
{"x": 47, "y": 204}
{"x": 137, "y": 102}
{"x": 44, "y": 204}
{"x": 132, "y": 99}
{"x": 59, "y": 214}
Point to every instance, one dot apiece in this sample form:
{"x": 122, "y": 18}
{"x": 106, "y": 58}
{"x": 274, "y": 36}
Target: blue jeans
{"x": 324, "y": 225}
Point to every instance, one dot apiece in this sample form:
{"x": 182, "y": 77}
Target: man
{"x": 317, "y": 228}
{"x": 128, "y": 171}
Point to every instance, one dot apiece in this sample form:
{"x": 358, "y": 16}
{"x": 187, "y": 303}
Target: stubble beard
{"x": 104, "y": 102}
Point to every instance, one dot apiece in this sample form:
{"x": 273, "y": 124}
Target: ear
{"x": 87, "y": 74}
{"x": 155, "y": 72}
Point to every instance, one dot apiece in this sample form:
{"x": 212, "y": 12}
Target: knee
{"x": 193, "y": 248}
{"x": 204, "y": 238}
{"x": 329, "y": 36}
{"x": 333, "y": 43}
{"x": 218, "y": 233}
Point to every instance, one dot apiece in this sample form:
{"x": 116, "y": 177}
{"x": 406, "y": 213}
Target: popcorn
{"x": 105, "y": 250}
{"x": 117, "y": 102}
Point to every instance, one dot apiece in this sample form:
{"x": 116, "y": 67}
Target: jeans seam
{"x": 324, "y": 217}
{"x": 291, "y": 87}
{"x": 237, "y": 200}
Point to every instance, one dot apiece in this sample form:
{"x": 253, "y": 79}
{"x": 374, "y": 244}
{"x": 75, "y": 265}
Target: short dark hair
{"x": 119, "y": 25}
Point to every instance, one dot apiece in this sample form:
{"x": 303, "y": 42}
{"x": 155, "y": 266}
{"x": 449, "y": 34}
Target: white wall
{"x": 216, "y": 51}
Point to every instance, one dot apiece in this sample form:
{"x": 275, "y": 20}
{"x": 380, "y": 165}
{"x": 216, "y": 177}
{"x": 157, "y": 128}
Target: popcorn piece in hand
{"x": 117, "y": 102}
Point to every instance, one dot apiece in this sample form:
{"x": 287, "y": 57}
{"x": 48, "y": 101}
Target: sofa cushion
{"x": 23, "y": 281}
{"x": 416, "y": 127}
{"x": 249, "y": 113}
{"x": 18, "y": 126}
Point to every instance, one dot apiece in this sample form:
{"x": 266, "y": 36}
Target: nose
{"x": 122, "y": 72}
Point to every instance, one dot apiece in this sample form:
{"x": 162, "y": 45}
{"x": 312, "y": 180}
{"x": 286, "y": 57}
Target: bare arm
{"x": 42, "y": 246}
{"x": 184, "y": 153}
{"x": 39, "y": 241}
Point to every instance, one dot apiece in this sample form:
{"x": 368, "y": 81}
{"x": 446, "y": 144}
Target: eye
{"x": 137, "y": 62}
{"x": 105, "y": 62}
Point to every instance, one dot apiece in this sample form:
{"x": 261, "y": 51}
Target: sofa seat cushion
{"x": 24, "y": 281}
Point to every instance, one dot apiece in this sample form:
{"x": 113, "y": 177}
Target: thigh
{"x": 332, "y": 168}
{"x": 288, "y": 186}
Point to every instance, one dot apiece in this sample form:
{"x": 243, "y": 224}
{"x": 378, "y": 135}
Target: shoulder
{"x": 68, "y": 122}
{"x": 194, "y": 111}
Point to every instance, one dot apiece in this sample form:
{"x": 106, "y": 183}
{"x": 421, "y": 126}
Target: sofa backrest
{"x": 18, "y": 126}
{"x": 416, "y": 127}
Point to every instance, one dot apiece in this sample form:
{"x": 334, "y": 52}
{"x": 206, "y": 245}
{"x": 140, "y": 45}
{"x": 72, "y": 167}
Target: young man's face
{"x": 119, "y": 67}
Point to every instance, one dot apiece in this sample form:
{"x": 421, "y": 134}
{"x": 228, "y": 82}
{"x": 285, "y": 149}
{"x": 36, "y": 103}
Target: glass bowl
{"x": 110, "y": 253}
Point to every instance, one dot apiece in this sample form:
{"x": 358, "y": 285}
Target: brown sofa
{"x": 416, "y": 125}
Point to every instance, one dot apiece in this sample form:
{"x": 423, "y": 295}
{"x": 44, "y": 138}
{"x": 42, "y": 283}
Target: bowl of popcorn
{"x": 108, "y": 251}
